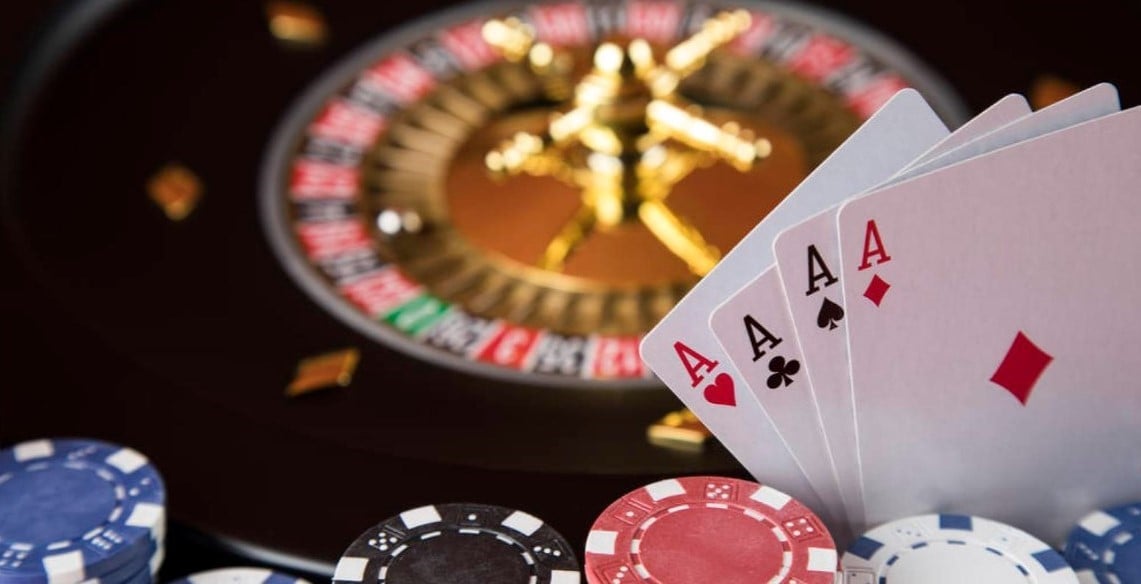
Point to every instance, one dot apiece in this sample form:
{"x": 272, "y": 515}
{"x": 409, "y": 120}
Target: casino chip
{"x": 74, "y": 510}
{"x": 1105, "y": 546}
{"x": 141, "y": 575}
{"x": 460, "y": 543}
{"x": 240, "y": 576}
{"x": 144, "y": 576}
{"x": 129, "y": 572}
{"x": 709, "y": 529}
{"x": 952, "y": 548}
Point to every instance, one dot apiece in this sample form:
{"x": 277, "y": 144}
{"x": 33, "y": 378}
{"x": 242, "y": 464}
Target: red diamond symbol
{"x": 876, "y": 289}
{"x": 1021, "y": 367}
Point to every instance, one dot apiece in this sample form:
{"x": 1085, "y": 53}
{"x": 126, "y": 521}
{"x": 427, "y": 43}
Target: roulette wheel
{"x": 260, "y": 199}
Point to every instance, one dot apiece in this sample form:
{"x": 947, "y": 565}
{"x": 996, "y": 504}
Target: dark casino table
{"x": 179, "y": 335}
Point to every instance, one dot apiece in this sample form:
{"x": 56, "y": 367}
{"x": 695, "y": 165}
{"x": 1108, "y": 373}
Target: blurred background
{"x": 100, "y": 95}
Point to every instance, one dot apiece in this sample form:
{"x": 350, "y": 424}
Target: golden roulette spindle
{"x": 524, "y": 195}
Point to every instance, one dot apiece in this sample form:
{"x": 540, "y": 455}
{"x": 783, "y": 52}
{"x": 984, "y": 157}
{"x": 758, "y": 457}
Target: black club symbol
{"x": 783, "y": 370}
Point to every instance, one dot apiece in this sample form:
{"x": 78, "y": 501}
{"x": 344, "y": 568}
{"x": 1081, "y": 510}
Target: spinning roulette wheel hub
{"x": 496, "y": 303}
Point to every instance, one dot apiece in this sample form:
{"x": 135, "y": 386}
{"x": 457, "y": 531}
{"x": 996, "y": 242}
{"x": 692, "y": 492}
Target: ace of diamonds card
{"x": 994, "y": 341}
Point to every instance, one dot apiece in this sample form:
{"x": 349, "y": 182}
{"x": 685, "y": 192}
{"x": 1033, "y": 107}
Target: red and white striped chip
{"x": 709, "y": 529}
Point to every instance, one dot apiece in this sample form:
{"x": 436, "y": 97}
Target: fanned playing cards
{"x": 935, "y": 322}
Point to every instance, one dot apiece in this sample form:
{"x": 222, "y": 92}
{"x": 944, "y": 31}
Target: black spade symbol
{"x": 830, "y": 314}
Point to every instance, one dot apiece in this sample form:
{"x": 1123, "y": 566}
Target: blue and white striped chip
{"x": 1105, "y": 546}
{"x": 952, "y": 548}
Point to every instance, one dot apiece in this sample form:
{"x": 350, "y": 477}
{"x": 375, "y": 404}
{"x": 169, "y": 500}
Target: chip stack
{"x": 78, "y": 510}
{"x": 709, "y": 529}
{"x": 459, "y": 543}
{"x": 1105, "y": 546}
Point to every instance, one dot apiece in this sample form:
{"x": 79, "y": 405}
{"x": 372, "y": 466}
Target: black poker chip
{"x": 459, "y": 543}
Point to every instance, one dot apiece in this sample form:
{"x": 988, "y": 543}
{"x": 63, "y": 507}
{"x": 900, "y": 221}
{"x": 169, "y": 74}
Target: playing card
{"x": 999, "y": 114}
{"x": 807, "y": 260}
{"x": 1097, "y": 101}
{"x": 993, "y": 343}
{"x": 755, "y": 332}
{"x": 681, "y": 349}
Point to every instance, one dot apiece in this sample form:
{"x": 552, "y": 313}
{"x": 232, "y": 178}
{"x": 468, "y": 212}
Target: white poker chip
{"x": 240, "y": 576}
{"x": 946, "y": 549}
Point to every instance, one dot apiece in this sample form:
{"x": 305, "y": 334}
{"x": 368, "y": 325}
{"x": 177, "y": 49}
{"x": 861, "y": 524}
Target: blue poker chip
{"x": 1105, "y": 546}
{"x": 156, "y": 560}
{"x": 952, "y": 548}
{"x": 74, "y": 510}
{"x": 240, "y": 576}
{"x": 124, "y": 573}
{"x": 131, "y": 571}
{"x": 141, "y": 575}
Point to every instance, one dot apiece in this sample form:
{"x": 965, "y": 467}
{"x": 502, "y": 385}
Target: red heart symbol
{"x": 720, "y": 392}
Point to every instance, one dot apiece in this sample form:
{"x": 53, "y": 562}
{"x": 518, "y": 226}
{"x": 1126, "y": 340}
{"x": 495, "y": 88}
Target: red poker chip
{"x": 709, "y": 529}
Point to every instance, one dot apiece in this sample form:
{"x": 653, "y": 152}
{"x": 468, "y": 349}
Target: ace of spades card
{"x": 995, "y": 349}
